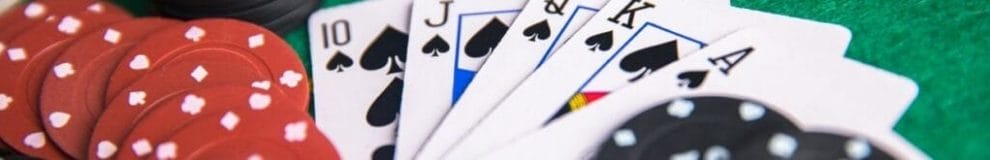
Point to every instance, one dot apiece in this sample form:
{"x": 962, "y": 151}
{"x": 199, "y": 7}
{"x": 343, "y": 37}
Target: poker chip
{"x": 26, "y": 61}
{"x": 21, "y": 18}
{"x": 245, "y": 148}
{"x": 277, "y": 15}
{"x": 810, "y": 145}
{"x": 163, "y": 119}
{"x": 188, "y": 71}
{"x": 709, "y": 127}
{"x": 80, "y": 95}
{"x": 293, "y": 19}
{"x": 287, "y": 126}
{"x": 253, "y": 42}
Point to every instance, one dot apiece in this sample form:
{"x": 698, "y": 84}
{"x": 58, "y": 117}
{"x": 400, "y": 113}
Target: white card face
{"x": 614, "y": 49}
{"x": 358, "y": 65}
{"x": 749, "y": 64}
{"x": 449, "y": 42}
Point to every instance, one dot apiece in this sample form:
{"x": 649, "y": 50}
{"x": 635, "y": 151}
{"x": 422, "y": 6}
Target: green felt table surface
{"x": 940, "y": 44}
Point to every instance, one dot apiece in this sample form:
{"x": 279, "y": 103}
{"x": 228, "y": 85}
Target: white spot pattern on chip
{"x": 256, "y": 41}
{"x": 141, "y": 147}
{"x": 686, "y": 155}
{"x": 193, "y": 104}
{"x": 95, "y": 7}
{"x": 751, "y": 111}
{"x": 69, "y": 25}
{"x": 63, "y": 70}
{"x": 112, "y": 36}
{"x": 35, "y": 140}
{"x": 261, "y": 84}
{"x": 34, "y": 10}
{"x": 5, "y": 101}
{"x": 230, "y": 120}
{"x": 717, "y": 152}
{"x": 105, "y": 149}
{"x": 290, "y": 78}
{"x": 199, "y": 73}
{"x": 140, "y": 62}
{"x": 857, "y": 148}
{"x": 195, "y": 33}
{"x": 166, "y": 150}
{"x": 295, "y": 132}
{"x": 255, "y": 156}
{"x": 16, "y": 54}
{"x": 680, "y": 108}
{"x": 136, "y": 98}
{"x": 259, "y": 101}
{"x": 624, "y": 137}
{"x": 59, "y": 119}
{"x": 782, "y": 145}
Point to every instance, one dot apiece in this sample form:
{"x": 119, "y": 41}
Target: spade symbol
{"x": 601, "y": 41}
{"x": 386, "y": 152}
{"x": 339, "y": 61}
{"x": 691, "y": 79}
{"x": 539, "y": 30}
{"x": 649, "y": 59}
{"x": 436, "y": 46}
{"x": 386, "y": 107}
{"x": 390, "y": 45}
{"x": 483, "y": 42}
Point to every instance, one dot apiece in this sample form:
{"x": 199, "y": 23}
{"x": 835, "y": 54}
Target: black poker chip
{"x": 211, "y": 5}
{"x": 810, "y": 145}
{"x": 296, "y": 18}
{"x": 280, "y": 16}
{"x": 693, "y": 128}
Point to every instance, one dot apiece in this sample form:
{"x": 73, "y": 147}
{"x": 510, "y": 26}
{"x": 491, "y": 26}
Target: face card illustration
{"x": 359, "y": 65}
{"x": 450, "y": 40}
{"x": 819, "y": 87}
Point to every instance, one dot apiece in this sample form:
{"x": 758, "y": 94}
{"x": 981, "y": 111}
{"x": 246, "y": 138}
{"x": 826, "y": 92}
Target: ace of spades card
{"x": 450, "y": 41}
{"x": 821, "y": 92}
{"x": 359, "y": 69}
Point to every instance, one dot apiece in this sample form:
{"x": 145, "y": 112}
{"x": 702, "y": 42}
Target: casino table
{"x": 941, "y": 45}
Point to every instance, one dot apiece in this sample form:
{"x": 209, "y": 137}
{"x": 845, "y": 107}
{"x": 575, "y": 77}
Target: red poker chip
{"x": 197, "y": 68}
{"x": 26, "y": 61}
{"x": 245, "y": 148}
{"x": 23, "y": 17}
{"x": 290, "y": 127}
{"x": 279, "y": 59}
{"x": 160, "y": 121}
{"x": 80, "y": 95}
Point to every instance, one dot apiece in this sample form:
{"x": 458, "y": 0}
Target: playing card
{"x": 760, "y": 63}
{"x": 358, "y": 54}
{"x": 449, "y": 41}
{"x": 615, "y": 48}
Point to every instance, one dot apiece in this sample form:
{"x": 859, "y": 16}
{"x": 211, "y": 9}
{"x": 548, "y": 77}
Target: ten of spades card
{"x": 359, "y": 67}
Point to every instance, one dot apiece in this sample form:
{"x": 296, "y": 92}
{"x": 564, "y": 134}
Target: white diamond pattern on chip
{"x": 35, "y": 140}
{"x": 230, "y": 120}
{"x": 192, "y": 104}
{"x": 136, "y": 98}
{"x": 63, "y": 70}
{"x": 782, "y": 145}
{"x": 69, "y": 25}
{"x": 112, "y": 36}
{"x": 295, "y": 132}
{"x": 624, "y": 137}
{"x": 140, "y": 62}
{"x": 59, "y": 119}
{"x": 261, "y": 84}
{"x": 141, "y": 147}
{"x": 680, "y": 108}
{"x": 199, "y": 73}
{"x": 195, "y": 33}
{"x": 857, "y": 148}
{"x": 105, "y": 149}
{"x": 290, "y": 78}
{"x": 166, "y": 150}
{"x": 5, "y": 101}
{"x": 256, "y": 41}
{"x": 259, "y": 101}
{"x": 34, "y": 10}
{"x": 751, "y": 111}
{"x": 16, "y": 54}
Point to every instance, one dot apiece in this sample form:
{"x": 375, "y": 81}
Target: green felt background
{"x": 940, "y": 44}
